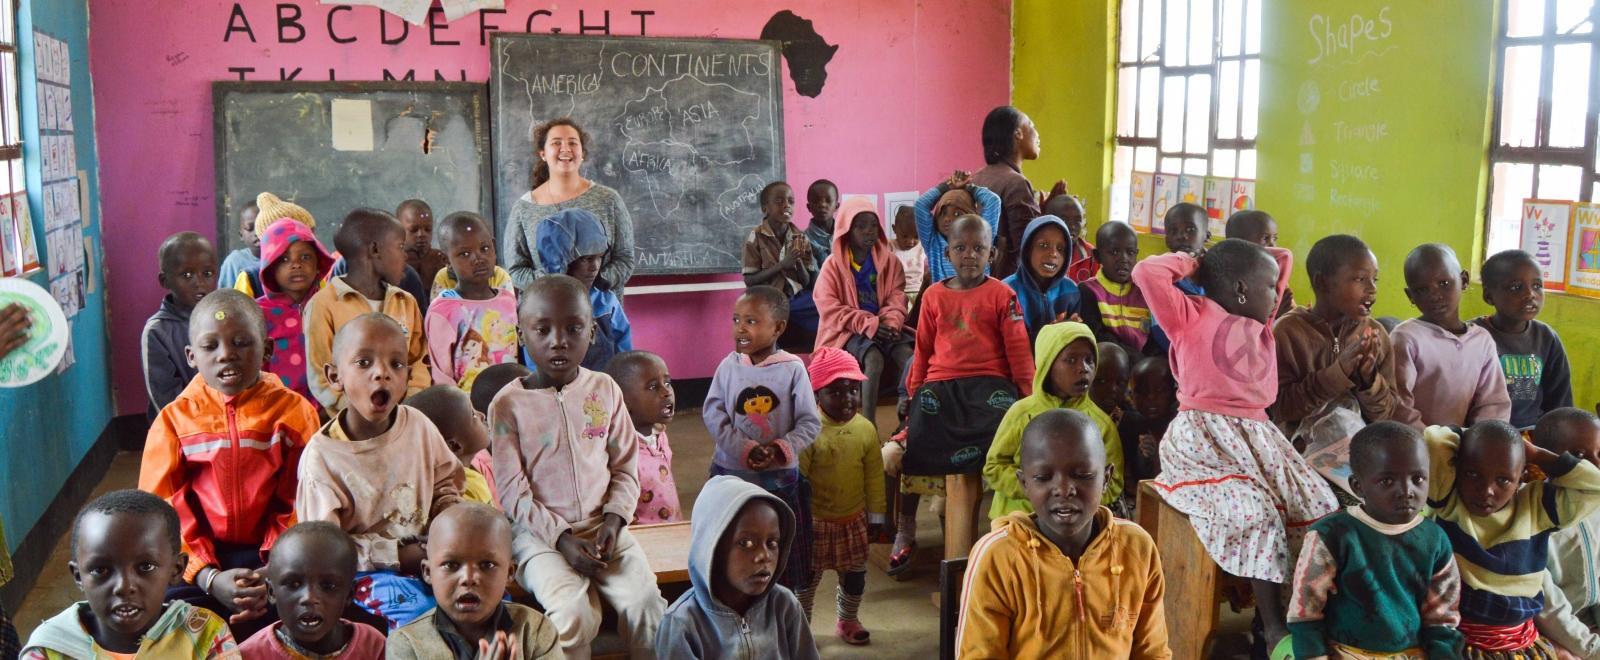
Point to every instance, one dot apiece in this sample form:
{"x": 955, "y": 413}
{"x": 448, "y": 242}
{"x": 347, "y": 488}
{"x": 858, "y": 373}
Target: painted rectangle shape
{"x": 352, "y": 124}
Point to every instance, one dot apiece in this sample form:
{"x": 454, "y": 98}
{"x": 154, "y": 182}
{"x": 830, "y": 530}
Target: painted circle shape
{"x": 47, "y": 341}
{"x": 1309, "y": 98}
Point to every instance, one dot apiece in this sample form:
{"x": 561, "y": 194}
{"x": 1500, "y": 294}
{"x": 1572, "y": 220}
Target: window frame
{"x": 1542, "y": 153}
{"x": 1128, "y": 135}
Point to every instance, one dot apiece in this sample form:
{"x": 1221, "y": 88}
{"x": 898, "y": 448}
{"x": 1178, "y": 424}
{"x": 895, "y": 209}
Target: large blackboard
{"x": 430, "y": 141}
{"x": 687, "y": 130}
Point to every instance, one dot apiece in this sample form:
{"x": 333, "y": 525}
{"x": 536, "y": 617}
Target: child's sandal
{"x": 900, "y": 559}
{"x": 1284, "y": 650}
{"x": 853, "y": 633}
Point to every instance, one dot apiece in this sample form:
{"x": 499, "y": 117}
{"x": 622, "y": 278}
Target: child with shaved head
{"x": 1571, "y": 603}
{"x": 1500, "y": 528}
{"x": 1067, "y": 580}
{"x": 465, "y": 431}
{"x": 224, "y": 454}
{"x": 188, "y": 272}
{"x": 378, "y": 469}
{"x": 312, "y": 571}
{"x": 1379, "y": 578}
{"x": 469, "y": 566}
{"x": 1447, "y": 370}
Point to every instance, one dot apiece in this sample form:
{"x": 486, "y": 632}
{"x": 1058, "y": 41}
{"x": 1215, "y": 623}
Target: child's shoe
{"x": 852, "y": 632}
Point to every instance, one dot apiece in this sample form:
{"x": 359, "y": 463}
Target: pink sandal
{"x": 900, "y": 559}
{"x": 852, "y": 633}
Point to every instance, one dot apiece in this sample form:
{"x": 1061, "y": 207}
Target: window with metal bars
{"x": 10, "y": 127}
{"x": 1544, "y": 143}
{"x": 1188, "y": 81}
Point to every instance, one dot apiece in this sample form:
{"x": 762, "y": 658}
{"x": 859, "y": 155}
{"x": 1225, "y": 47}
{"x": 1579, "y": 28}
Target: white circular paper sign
{"x": 47, "y": 339}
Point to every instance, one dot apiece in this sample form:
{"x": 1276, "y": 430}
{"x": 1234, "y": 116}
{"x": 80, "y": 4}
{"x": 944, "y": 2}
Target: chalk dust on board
{"x": 352, "y": 125}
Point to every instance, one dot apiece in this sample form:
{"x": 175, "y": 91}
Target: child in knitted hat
{"x": 293, "y": 267}
{"x": 574, "y": 242}
{"x": 268, "y": 211}
{"x": 845, "y": 468}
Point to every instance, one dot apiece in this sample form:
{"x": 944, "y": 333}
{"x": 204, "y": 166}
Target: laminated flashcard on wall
{"x": 1583, "y": 251}
{"x": 63, "y": 220}
{"x": 1216, "y": 203}
{"x": 1242, "y": 195}
{"x": 1141, "y": 199}
{"x": 1191, "y": 189}
{"x": 1165, "y": 196}
{"x": 17, "y": 202}
{"x": 1545, "y": 231}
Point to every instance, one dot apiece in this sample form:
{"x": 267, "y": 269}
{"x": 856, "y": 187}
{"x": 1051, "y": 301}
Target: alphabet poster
{"x": 1166, "y": 197}
{"x": 1545, "y": 226}
{"x": 58, "y": 151}
{"x": 1583, "y": 259}
{"x": 1140, "y": 200}
{"x": 1216, "y": 203}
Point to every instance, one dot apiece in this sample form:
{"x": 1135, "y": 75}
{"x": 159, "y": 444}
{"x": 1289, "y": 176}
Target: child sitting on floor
{"x": 1247, "y": 492}
{"x": 939, "y": 207}
{"x": 1109, "y": 303}
{"x": 370, "y": 242}
{"x": 465, "y": 432}
{"x": 564, "y": 465}
{"x": 1153, "y": 400}
{"x": 471, "y": 325}
{"x": 740, "y": 540}
{"x": 845, "y": 469}
{"x": 1571, "y": 601}
{"x": 1017, "y": 599}
{"x": 1063, "y": 374}
{"x": 1532, "y": 358}
{"x": 761, "y": 413}
{"x": 125, "y": 551}
{"x": 468, "y": 566}
{"x": 1081, "y": 263}
{"x": 1110, "y": 388}
{"x": 1500, "y": 528}
{"x": 293, "y": 267}
{"x": 647, "y": 391}
{"x": 1447, "y": 371}
{"x": 188, "y": 272}
{"x": 1043, "y": 289}
{"x": 861, "y": 300}
{"x": 312, "y": 571}
{"x": 379, "y": 470}
{"x": 1334, "y": 353}
{"x": 225, "y": 455}
{"x": 908, "y": 249}
{"x": 574, "y": 242}
{"x": 972, "y": 362}
{"x": 1378, "y": 579}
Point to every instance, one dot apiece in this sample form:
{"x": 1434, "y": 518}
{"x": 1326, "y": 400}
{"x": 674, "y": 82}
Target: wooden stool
{"x": 1194, "y": 581}
{"x": 962, "y": 492}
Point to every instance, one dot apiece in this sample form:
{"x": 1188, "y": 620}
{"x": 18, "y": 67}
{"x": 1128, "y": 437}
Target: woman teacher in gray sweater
{"x": 557, "y": 186}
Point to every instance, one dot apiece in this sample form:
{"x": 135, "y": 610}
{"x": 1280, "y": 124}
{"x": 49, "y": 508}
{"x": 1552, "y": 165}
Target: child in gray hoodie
{"x": 740, "y": 541}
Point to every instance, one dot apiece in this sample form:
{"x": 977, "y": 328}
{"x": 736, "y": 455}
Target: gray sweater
{"x": 522, "y": 249}
{"x": 166, "y": 367}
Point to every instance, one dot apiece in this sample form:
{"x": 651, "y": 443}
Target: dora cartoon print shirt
{"x": 767, "y": 404}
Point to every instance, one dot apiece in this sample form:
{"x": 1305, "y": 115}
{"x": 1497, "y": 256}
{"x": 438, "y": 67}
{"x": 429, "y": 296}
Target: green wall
{"x": 1421, "y": 177}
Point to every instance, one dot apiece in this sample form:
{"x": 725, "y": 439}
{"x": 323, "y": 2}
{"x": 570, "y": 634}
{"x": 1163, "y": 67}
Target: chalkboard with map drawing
{"x": 688, "y": 131}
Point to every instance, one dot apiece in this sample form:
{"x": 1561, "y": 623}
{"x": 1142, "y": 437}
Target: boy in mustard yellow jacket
{"x": 1013, "y": 604}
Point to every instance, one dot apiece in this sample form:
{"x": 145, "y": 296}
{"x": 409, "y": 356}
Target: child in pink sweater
{"x": 1246, "y": 491}
{"x": 647, "y": 389}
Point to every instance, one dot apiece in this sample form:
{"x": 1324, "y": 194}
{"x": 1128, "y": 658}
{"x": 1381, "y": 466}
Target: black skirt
{"x": 952, "y": 423}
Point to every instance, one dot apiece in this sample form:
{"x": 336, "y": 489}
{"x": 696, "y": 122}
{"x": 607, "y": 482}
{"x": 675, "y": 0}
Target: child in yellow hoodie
{"x": 1012, "y": 601}
{"x": 1064, "y": 360}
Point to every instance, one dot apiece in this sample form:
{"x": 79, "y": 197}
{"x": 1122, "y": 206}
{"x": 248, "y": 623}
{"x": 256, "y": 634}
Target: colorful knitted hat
{"x": 829, "y": 364}
{"x": 273, "y": 209}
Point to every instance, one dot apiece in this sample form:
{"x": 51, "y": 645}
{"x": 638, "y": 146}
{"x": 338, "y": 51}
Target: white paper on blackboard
{"x": 352, "y": 125}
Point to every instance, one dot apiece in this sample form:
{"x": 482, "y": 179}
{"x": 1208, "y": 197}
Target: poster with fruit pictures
{"x": 1545, "y": 227}
{"x": 1165, "y": 196}
{"x": 1140, "y": 200}
{"x": 1583, "y": 256}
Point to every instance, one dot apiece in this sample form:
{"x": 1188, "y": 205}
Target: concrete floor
{"x": 901, "y": 614}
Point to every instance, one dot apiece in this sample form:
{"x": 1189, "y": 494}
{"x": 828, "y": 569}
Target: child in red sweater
{"x": 972, "y": 362}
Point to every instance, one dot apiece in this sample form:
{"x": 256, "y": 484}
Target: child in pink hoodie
{"x": 293, "y": 267}
{"x": 861, "y": 299}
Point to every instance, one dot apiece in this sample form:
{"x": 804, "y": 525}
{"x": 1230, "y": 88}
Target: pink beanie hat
{"x": 829, "y": 364}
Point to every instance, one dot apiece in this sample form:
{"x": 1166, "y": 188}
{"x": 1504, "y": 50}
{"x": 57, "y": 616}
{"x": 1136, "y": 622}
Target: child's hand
{"x": 14, "y": 325}
{"x": 242, "y": 591}
{"x": 893, "y": 456}
{"x": 762, "y": 457}
{"x": 605, "y": 541}
{"x": 1350, "y": 357}
{"x": 504, "y": 647}
{"x": 886, "y": 333}
{"x": 580, "y": 553}
{"x": 1059, "y": 189}
{"x": 958, "y": 179}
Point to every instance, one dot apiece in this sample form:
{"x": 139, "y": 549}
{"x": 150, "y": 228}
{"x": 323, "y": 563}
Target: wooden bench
{"x": 666, "y": 545}
{"x": 1194, "y": 581}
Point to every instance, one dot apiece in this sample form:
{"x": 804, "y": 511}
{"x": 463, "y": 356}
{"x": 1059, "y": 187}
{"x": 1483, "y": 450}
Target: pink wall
{"x": 904, "y": 98}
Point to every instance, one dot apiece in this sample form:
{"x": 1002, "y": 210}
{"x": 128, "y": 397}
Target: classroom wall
{"x": 48, "y": 427}
{"x": 904, "y": 98}
{"x": 1435, "y": 65}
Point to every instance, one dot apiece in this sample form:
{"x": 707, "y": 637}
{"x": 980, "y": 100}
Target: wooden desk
{"x": 667, "y": 547}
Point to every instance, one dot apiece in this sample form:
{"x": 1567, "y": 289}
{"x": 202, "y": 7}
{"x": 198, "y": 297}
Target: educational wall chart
{"x": 1151, "y": 194}
{"x": 1545, "y": 226}
{"x": 20, "y": 254}
{"x": 63, "y": 216}
{"x": 1583, "y": 262}
{"x": 1141, "y": 196}
{"x": 1164, "y": 197}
